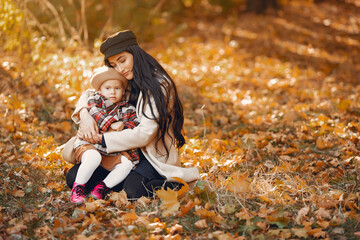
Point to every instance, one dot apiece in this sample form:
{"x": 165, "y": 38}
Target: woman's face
{"x": 123, "y": 63}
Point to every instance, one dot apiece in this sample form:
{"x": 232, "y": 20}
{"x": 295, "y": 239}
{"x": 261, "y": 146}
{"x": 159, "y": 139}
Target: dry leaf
{"x": 323, "y": 224}
{"x": 93, "y": 206}
{"x": 184, "y": 188}
{"x": 317, "y": 232}
{"x": 189, "y": 205}
{"x": 144, "y": 201}
{"x": 322, "y": 213}
{"x": 16, "y": 229}
{"x": 239, "y": 183}
{"x": 300, "y": 232}
{"x": 169, "y": 200}
{"x": 201, "y": 224}
{"x": 338, "y": 230}
{"x": 130, "y": 217}
{"x": 120, "y": 199}
{"x": 177, "y": 228}
{"x": 301, "y": 215}
{"x": 91, "y": 220}
{"x": 204, "y": 213}
{"x": 18, "y": 193}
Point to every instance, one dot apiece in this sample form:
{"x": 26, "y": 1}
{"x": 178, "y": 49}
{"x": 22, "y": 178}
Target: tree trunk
{"x": 259, "y": 6}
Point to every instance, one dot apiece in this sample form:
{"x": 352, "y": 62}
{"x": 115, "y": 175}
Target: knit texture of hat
{"x": 117, "y": 43}
{"x": 105, "y": 74}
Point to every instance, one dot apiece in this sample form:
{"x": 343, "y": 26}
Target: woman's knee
{"x": 134, "y": 186}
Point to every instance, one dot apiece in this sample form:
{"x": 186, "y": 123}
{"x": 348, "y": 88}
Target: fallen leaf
{"x": 300, "y": 232}
{"x": 18, "y": 193}
{"x": 322, "y": 213}
{"x": 120, "y": 199}
{"x": 144, "y": 201}
{"x": 322, "y": 144}
{"x": 201, "y": 224}
{"x": 204, "y": 213}
{"x": 189, "y": 205}
{"x": 177, "y": 228}
{"x": 338, "y": 230}
{"x": 317, "y": 232}
{"x": 130, "y": 217}
{"x": 184, "y": 188}
{"x": 169, "y": 200}
{"x": 91, "y": 220}
{"x": 239, "y": 183}
{"x": 301, "y": 214}
{"x": 16, "y": 229}
{"x": 323, "y": 224}
{"x": 93, "y": 206}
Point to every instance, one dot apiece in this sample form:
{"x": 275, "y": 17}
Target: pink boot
{"x": 78, "y": 193}
{"x": 99, "y": 191}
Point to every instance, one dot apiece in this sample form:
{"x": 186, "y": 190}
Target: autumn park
{"x": 271, "y": 98}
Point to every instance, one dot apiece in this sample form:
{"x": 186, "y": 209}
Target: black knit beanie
{"x": 117, "y": 43}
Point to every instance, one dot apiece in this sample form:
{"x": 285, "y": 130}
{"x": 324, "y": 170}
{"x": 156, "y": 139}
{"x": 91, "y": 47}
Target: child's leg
{"x": 90, "y": 160}
{"x": 119, "y": 172}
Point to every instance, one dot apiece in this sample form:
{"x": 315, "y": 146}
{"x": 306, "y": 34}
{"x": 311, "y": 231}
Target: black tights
{"x": 135, "y": 185}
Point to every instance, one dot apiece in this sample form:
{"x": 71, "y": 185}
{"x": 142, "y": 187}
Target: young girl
{"x": 110, "y": 113}
{"x": 159, "y": 133}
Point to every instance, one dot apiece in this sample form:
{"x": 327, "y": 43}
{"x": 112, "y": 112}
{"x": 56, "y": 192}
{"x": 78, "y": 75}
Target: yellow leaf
{"x": 130, "y": 217}
{"x": 290, "y": 151}
{"x": 322, "y": 144}
{"x": 53, "y": 185}
{"x": 168, "y": 200}
{"x": 264, "y": 198}
{"x": 204, "y": 213}
{"x": 184, "y": 188}
{"x": 239, "y": 183}
{"x": 185, "y": 209}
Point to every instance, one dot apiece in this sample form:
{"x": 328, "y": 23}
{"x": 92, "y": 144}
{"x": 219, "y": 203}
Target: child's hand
{"x": 116, "y": 126}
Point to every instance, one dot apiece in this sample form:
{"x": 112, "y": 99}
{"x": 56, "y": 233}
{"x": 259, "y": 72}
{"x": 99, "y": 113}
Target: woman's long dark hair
{"x": 151, "y": 79}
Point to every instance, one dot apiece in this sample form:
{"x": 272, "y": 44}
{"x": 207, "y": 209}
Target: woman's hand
{"x": 88, "y": 130}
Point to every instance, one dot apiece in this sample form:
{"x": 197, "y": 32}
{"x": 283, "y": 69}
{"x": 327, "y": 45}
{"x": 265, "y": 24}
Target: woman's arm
{"x": 139, "y": 136}
{"x": 88, "y": 129}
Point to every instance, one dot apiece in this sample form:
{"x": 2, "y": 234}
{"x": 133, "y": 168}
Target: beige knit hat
{"x": 105, "y": 74}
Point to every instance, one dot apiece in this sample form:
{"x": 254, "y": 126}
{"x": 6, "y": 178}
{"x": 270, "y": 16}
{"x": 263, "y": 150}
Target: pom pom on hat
{"x": 117, "y": 43}
{"x": 105, "y": 74}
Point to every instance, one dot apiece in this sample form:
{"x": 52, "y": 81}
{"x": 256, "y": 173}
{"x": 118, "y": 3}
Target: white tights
{"x": 91, "y": 159}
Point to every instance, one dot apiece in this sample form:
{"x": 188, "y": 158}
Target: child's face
{"x": 112, "y": 90}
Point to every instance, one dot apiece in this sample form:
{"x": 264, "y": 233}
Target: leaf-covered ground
{"x": 272, "y": 107}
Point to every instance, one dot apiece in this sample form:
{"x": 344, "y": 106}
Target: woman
{"x": 159, "y": 132}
